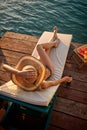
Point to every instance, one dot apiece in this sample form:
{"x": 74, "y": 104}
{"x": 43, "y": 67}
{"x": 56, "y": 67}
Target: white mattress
{"x": 58, "y": 56}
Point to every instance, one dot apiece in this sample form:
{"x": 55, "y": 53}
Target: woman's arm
{"x": 47, "y": 84}
{"x": 23, "y": 73}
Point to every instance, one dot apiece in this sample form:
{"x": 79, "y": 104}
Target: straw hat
{"x": 29, "y": 63}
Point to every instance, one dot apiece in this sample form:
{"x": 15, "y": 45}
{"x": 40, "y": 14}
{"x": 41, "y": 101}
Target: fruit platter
{"x": 82, "y": 51}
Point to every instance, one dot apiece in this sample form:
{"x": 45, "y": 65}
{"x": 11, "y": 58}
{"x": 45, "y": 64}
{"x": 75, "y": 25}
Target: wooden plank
{"x": 75, "y": 75}
{"x": 75, "y": 44}
{"x": 71, "y": 107}
{"x": 19, "y": 36}
{"x": 70, "y": 52}
{"x": 80, "y": 86}
{"x": 9, "y": 53}
{"x": 17, "y": 45}
{"x": 74, "y": 95}
{"x": 11, "y": 57}
{"x": 73, "y": 67}
{"x": 67, "y": 122}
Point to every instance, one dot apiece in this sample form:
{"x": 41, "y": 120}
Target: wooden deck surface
{"x": 70, "y": 110}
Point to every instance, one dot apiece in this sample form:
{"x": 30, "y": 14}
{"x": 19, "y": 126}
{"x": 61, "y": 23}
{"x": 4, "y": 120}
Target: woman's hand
{"x": 27, "y": 73}
{"x": 67, "y": 79}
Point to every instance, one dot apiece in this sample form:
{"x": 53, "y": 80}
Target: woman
{"x": 43, "y": 51}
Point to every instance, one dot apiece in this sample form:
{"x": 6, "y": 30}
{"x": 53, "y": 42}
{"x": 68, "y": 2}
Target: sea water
{"x": 35, "y": 16}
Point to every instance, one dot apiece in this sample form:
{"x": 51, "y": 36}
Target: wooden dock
{"x": 70, "y": 110}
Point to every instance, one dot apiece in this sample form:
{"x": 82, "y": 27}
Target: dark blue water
{"x": 35, "y": 16}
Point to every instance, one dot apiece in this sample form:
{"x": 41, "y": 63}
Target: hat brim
{"x": 20, "y": 81}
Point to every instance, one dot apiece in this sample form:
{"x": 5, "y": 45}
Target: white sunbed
{"x": 58, "y": 56}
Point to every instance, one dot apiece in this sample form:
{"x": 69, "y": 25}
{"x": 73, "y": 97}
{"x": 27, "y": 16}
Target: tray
{"x": 82, "y": 51}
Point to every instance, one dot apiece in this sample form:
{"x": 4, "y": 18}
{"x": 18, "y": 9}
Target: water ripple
{"x": 33, "y": 17}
